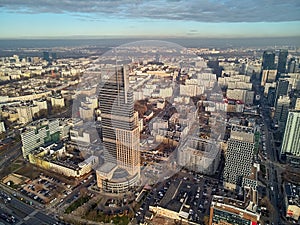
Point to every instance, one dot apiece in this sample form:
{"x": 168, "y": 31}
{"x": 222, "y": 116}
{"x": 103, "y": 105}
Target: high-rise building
{"x": 25, "y": 114}
{"x": 281, "y": 110}
{"x": 120, "y": 130}
{"x": 239, "y": 157}
{"x": 268, "y": 62}
{"x": 291, "y": 139}
{"x": 53, "y": 55}
{"x": 282, "y": 59}
{"x": 293, "y": 65}
{"x": 281, "y": 89}
{"x": 271, "y": 96}
{"x": 46, "y": 56}
{"x": 38, "y": 133}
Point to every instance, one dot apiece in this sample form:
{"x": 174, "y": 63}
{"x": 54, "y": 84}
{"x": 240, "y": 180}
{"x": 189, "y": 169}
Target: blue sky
{"x": 153, "y": 18}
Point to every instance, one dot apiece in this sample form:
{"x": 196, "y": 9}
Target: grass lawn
{"x": 79, "y": 202}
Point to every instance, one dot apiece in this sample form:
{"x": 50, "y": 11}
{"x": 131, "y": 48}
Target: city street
{"x": 273, "y": 167}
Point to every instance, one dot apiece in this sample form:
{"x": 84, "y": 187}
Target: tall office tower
{"x": 281, "y": 67}
{"x": 281, "y": 89}
{"x": 268, "y": 62}
{"x": 271, "y": 96}
{"x": 282, "y": 110}
{"x": 120, "y": 130}
{"x": 46, "y": 56}
{"x": 238, "y": 171}
{"x": 293, "y": 65}
{"x": 53, "y": 55}
{"x": 291, "y": 139}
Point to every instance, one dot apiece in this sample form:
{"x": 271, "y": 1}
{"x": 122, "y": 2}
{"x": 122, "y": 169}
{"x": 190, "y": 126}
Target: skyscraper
{"x": 291, "y": 139}
{"x": 293, "y": 65}
{"x": 46, "y": 56}
{"x": 281, "y": 68}
{"x": 281, "y": 89}
{"x": 268, "y": 62}
{"x": 120, "y": 132}
{"x": 281, "y": 110}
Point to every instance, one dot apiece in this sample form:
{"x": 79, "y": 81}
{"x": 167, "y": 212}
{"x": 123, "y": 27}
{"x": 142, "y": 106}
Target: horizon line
{"x": 140, "y": 36}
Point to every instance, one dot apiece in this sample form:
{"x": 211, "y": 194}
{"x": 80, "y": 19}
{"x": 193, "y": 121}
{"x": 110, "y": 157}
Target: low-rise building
{"x": 292, "y": 201}
{"x": 199, "y": 155}
{"x": 54, "y": 157}
{"x": 231, "y": 211}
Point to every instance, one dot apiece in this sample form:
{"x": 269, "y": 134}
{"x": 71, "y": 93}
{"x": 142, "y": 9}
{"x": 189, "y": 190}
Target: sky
{"x": 149, "y": 18}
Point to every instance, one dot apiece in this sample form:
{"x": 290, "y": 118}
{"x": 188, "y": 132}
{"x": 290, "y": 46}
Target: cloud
{"x": 192, "y": 10}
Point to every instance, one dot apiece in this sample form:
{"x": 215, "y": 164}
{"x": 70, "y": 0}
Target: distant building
{"x": 271, "y": 96}
{"x": 25, "y": 114}
{"x": 293, "y": 65}
{"x": 2, "y": 127}
{"x": 41, "y": 103}
{"x": 268, "y": 60}
{"x": 282, "y": 59}
{"x": 57, "y": 101}
{"x": 268, "y": 76}
{"x": 46, "y": 56}
{"x": 291, "y": 139}
{"x": 281, "y": 89}
{"x": 282, "y": 110}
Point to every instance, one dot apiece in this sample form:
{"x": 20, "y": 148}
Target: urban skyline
{"x": 135, "y": 112}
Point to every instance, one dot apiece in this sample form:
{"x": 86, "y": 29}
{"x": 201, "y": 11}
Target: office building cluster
{"x": 282, "y": 90}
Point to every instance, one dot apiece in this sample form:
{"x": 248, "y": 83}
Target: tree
{"x": 206, "y": 220}
{"x": 83, "y": 191}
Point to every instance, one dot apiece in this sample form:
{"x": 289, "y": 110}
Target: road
{"x": 273, "y": 166}
{"x": 13, "y": 152}
{"x": 27, "y": 214}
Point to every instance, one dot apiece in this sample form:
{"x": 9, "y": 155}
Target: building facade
{"x": 282, "y": 59}
{"x": 39, "y": 133}
{"x": 239, "y": 156}
{"x": 120, "y": 130}
{"x": 199, "y": 155}
{"x": 291, "y": 139}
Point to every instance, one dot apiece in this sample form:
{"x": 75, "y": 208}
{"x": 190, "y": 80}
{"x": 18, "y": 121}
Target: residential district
{"x": 150, "y": 135}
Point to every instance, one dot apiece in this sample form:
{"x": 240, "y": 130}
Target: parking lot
{"x": 45, "y": 189}
{"x": 193, "y": 189}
